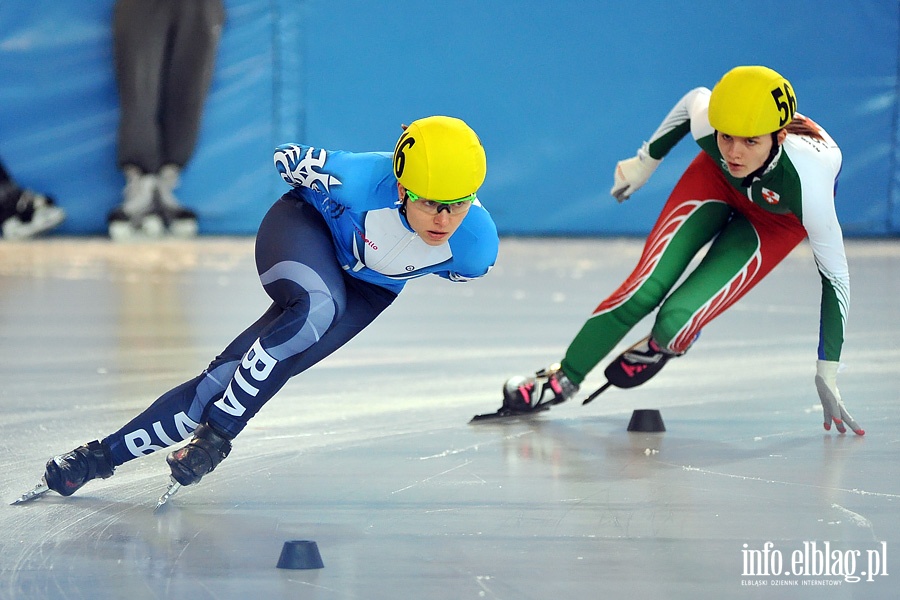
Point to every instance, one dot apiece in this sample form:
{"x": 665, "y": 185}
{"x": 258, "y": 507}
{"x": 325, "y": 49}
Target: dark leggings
{"x": 164, "y": 53}
{"x": 316, "y": 308}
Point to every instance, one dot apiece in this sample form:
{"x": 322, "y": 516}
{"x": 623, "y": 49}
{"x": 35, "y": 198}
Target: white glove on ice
{"x": 832, "y": 405}
{"x": 632, "y": 173}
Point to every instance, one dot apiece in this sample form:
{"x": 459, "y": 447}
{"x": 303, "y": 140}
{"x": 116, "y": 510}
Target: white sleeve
{"x": 688, "y": 115}
{"x": 818, "y": 171}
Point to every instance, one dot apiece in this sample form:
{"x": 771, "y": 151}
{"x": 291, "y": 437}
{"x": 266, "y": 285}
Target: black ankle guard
{"x": 99, "y": 460}
{"x": 200, "y": 456}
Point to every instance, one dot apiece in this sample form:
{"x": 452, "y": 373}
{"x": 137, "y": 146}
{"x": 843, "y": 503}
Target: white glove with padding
{"x": 632, "y": 173}
{"x": 832, "y": 405}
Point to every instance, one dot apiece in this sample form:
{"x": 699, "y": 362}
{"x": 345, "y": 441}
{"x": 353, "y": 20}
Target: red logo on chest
{"x": 770, "y": 196}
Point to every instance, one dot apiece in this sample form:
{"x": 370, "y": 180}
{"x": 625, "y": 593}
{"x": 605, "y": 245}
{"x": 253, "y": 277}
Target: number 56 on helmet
{"x": 751, "y": 101}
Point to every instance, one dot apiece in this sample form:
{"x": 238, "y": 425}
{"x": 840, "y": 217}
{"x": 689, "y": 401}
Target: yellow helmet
{"x": 751, "y": 101}
{"x": 440, "y": 158}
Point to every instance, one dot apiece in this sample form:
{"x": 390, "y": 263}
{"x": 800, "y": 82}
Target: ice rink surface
{"x": 371, "y": 456}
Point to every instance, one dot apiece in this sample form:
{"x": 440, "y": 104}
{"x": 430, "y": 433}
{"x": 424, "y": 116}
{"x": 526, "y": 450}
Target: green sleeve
{"x": 831, "y": 327}
{"x": 677, "y": 124}
{"x": 660, "y": 146}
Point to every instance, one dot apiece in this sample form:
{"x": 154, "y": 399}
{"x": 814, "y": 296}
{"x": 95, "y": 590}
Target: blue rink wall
{"x": 557, "y": 91}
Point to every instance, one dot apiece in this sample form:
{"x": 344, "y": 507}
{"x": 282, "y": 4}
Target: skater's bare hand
{"x": 832, "y": 404}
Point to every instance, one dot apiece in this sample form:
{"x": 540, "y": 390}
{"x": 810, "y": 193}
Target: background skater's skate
{"x": 526, "y": 396}
{"x": 634, "y": 367}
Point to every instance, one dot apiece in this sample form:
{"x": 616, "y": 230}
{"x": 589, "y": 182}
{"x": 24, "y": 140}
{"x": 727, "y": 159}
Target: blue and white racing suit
{"x": 332, "y": 254}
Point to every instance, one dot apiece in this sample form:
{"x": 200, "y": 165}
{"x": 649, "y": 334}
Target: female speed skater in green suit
{"x": 764, "y": 180}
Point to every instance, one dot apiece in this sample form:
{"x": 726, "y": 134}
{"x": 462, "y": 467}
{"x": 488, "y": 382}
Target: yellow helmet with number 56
{"x": 751, "y": 101}
{"x": 440, "y": 158}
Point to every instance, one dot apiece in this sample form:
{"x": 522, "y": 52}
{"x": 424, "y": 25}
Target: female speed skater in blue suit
{"x": 332, "y": 254}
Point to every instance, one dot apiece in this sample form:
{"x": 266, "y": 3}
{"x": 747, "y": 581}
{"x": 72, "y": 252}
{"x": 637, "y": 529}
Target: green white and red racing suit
{"x": 751, "y": 227}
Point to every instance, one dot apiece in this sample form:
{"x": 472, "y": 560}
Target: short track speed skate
{"x": 634, "y": 367}
{"x": 527, "y": 396}
{"x": 509, "y": 413}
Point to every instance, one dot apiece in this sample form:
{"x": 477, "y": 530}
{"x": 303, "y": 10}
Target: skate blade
{"x": 509, "y": 414}
{"x": 174, "y": 486}
{"x": 38, "y": 491}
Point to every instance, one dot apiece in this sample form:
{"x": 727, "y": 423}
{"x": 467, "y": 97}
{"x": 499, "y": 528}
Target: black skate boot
{"x": 25, "y": 213}
{"x": 67, "y": 473}
{"x": 200, "y": 456}
{"x": 638, "y": 364}
{"x": 547, "y": 387}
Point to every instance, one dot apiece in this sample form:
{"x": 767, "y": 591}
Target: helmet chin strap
{"x": 772, "y": 159}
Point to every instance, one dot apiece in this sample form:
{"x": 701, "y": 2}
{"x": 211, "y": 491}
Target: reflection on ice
{"x": 371, "y": 455}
